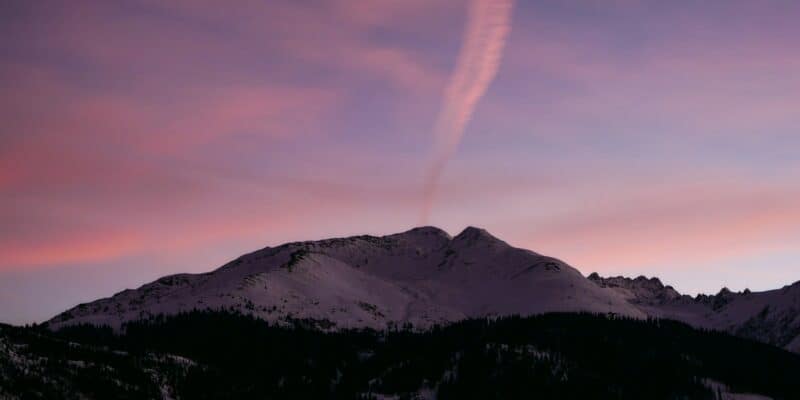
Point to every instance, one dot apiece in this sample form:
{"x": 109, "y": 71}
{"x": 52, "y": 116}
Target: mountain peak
{"x": 472, "y": 232}
{"x": 472, "y": 235}
{"x": 427, "y": 230}
{"x": 724, "y": 292}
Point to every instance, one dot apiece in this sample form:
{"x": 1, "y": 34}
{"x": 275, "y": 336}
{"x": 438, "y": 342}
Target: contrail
{"x": 488, "y": 25}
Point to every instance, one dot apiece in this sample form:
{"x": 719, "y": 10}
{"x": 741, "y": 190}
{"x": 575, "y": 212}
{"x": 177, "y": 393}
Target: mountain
{"x": 425, "y": 277}
{"x": 420, "y": 277}
{"x": 772, "y": 316}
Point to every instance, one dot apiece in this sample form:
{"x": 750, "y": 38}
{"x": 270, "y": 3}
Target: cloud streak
{"x": 488, "y": 25}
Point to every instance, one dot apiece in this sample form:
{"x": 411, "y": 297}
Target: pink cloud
{"x": 179, "y": 224}
{"x": 215, "y": 113}
{"x": 67, "y": 249}
{"x": 675, "y": 225}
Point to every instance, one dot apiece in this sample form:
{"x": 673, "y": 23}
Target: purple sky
{"x": 141, "y": 138}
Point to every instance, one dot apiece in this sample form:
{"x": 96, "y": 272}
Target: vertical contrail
{"x": 488, "y": 24}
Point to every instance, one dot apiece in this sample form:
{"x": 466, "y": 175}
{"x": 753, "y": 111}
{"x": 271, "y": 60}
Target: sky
{"x": 142, "y": 138}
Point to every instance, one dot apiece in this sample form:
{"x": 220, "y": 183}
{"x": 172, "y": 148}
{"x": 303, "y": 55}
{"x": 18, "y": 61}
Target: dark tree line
{"x": 552, "y": 356}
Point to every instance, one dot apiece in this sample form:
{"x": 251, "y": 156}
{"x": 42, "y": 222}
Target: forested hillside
{"x": 210, "y": 355}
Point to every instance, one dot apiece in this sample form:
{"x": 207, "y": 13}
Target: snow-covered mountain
{"x": 772, "y": 316}
{"x": 424, "y": 277}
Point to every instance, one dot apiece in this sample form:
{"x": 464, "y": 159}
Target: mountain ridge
{"x": 771, "y": 316}
{"x": 425, "y": 277}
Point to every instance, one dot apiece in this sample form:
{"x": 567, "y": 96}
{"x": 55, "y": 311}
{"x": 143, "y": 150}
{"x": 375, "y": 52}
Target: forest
{"x": 220, "y": 354}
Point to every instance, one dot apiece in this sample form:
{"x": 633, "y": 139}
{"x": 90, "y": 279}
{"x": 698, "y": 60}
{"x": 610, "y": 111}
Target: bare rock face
{"x": 640, "y": 290}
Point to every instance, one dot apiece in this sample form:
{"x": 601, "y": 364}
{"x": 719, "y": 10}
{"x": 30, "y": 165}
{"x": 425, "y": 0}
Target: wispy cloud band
{"x": 488, "y": 25}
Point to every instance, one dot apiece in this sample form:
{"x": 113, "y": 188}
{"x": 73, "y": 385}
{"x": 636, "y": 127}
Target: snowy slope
{"x": 422, "y": 277}
{"x": 771, "y": 316}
